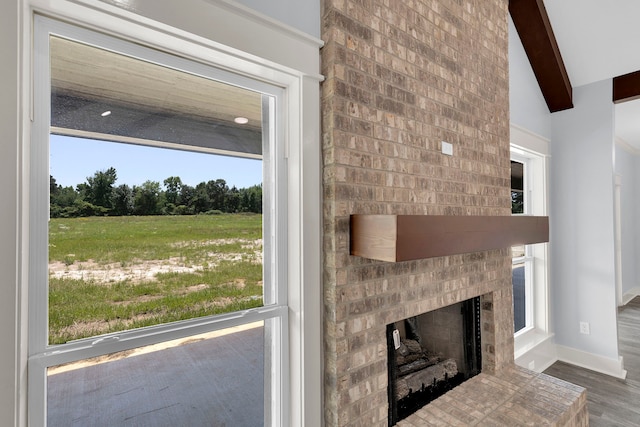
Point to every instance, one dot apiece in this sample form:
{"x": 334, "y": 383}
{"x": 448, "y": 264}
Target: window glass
{"x": 517, "y": 187}
{"x": 149, "y": 223}
{"x": 521, "y": 268}
{"x": 519, "y": 296}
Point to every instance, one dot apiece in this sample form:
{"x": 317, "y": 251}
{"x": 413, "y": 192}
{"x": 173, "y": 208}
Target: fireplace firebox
{"x": 430, "y": 354}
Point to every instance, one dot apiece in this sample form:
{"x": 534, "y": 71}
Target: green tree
{"x": 251, "y": 199}
{"x": 99, "y": 188}
{"x": 172, "y": 186}
{"x": 217, "y": 192}
{"x": 146, "y": 199}
{"x": 62, "y": 200}
{"x": 122, "y": 200}
{"x": 232, "y": 200}
{"x": 185, "y": 205}
{"x": 53, "y": 185}
{"x": 200, "y": 200}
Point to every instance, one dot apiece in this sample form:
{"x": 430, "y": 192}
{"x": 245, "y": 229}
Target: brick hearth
{"x": 511, "y": 397}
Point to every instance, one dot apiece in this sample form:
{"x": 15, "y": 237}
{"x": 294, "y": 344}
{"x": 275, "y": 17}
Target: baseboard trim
{"x": 634, "y": 292}
{"x": 594, "y": 362}
{"x": 546, "y": 365}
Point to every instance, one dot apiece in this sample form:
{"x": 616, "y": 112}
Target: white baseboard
{"x": 594, "y": 362}
{"x": 634, "y": 292}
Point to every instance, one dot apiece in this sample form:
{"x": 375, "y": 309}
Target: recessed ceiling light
{"x": 106, "y": 113}
{"x": 241, "y": 120}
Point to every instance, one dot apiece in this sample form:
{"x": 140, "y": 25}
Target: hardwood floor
{"x": 611, "y": 401}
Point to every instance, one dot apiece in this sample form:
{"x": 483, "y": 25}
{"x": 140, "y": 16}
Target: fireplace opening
{"x": 430, "y": 354}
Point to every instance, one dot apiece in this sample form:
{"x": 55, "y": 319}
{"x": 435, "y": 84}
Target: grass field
{"x": 109, "y": 274}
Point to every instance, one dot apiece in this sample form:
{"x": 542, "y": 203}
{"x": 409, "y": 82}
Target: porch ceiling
{"x": 146, "y": 101}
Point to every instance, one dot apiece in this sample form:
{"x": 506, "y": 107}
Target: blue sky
{"x": 72, "y": 160}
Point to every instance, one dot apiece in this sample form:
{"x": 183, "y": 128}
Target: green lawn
{"x": 113, "y": 273}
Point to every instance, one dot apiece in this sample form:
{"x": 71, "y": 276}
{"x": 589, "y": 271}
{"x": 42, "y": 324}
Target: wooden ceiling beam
{"x": 532, "y": 23}
{"x": 626, "y": 87}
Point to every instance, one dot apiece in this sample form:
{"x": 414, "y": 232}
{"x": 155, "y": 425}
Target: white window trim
{"x": 206, "y": 32}
{"x": 534, "y": 347}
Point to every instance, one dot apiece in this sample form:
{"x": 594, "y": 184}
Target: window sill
{"x": 528, "y": 340}
{"x": 535, "y": 350}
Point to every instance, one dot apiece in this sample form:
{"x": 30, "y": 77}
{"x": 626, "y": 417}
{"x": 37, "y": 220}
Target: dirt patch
{"x": 193, "y": 288}
{"x": 139, "y": 271}
{"x": 245, "y": 243}
{"x": 135, "y": 272}
{"x": 240, "y": 283}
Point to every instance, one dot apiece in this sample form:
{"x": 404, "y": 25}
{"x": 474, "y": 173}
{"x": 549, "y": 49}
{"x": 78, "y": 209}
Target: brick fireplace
{"x": 401, "y": 77}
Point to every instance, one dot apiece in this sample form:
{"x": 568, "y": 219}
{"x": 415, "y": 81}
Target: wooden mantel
{"x": 408, "y": 237}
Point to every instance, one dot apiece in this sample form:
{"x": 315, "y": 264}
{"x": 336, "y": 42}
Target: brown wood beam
{"x": 533, "y": 26}
{"x": 397, "y": 238}
{"x": 626, "y": 87}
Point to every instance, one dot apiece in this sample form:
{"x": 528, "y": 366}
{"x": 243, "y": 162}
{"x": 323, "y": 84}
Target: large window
{"x": 533, "y": 338}
{"x": 157, "y": 253}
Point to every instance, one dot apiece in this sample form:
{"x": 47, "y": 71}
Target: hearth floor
{"x": 513, "y": 396}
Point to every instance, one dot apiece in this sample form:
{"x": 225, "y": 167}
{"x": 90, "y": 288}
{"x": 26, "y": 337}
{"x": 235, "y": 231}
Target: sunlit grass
{"x": 123, "y": 239}
{"x": 84, "y": 307}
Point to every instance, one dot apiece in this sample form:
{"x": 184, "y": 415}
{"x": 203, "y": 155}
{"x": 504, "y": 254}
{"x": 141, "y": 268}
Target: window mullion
{"x": 126, "y": 340}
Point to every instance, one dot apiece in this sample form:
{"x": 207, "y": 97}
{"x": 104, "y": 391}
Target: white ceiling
{"x": 598, "y": 40}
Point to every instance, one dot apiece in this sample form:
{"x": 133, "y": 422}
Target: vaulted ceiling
{"x": 596, "y": 40}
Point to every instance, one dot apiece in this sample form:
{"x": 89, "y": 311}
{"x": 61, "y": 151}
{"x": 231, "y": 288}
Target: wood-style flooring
{"x": 611, "y": 401}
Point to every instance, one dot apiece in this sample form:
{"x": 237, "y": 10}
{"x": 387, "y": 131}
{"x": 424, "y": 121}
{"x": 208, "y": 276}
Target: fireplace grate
{"x": 420, "y": 368}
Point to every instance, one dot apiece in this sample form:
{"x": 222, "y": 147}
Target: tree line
{"x": 99, "y": 196}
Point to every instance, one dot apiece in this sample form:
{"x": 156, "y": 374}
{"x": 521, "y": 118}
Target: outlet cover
{"x": 584, "y": 328}
{"x": 447, "y": 148}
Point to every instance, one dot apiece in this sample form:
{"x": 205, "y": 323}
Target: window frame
{"x": 290, "y": 228}
{"x": 533, "y": 345}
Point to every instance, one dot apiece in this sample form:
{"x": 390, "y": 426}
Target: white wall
{"x": 303, "y": 15}
{"x": 527, "y": 108}
{"x": 582, "y": 265}
{"x": 9, "y": 136}
{"x": 582, "y": 226}
{"x": 300, "y": 14}
{"x": 531, "y": 129}
{"x": 626, "y": 164}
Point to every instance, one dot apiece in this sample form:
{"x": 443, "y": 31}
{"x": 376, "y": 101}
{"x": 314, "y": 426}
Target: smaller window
{"x": 533, "y": 347}
{"x": 522, "y": 259}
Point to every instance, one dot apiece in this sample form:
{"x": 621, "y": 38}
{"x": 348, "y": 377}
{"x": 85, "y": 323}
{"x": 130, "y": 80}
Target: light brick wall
{"x": 401, "y": 76}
